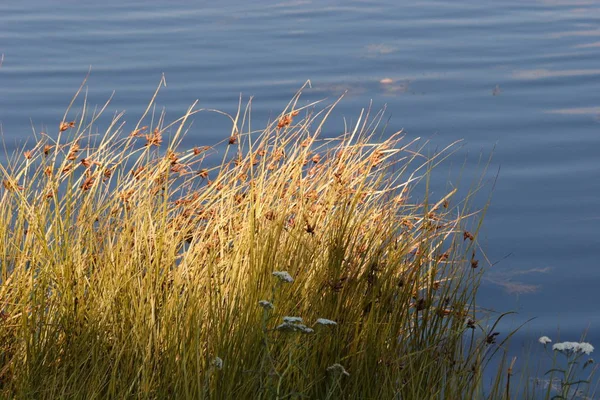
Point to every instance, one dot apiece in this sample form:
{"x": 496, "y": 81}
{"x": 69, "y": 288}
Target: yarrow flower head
{"x": 544, "y": 340}
{"x": 586, "y": 348}
{"x": 325, "y": 321}
{"x": 337, "y": 369}
{"x": 294, "y": 324}
{"x": 287, "y": 327}
{"x": 305, "y": 329}
{"x": 217, "y": 363}
{"x": 267, "y": 305}
{"x": 573, "y": 347}
{"x": 292, "y": 320}
{"x": 283, "y": 276}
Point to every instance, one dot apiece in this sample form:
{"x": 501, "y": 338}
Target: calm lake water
{"x": 521, "y": 78}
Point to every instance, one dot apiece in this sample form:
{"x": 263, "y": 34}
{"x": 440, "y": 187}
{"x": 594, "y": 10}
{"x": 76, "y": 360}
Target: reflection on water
{"x": 375, "y": 50}
{"x": 511, "y": 280}
{"x": 576, "y": 111}
{"x": 545, "y": 73}
{"x": 587, "y": 45}
{"x": 582, "y": 33}
{"x": 520, "y": 77}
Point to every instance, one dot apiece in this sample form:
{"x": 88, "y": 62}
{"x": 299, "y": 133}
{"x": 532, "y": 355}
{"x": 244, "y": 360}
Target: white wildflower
{"x": 325, "y": 321}
{"x": 292, "y": 320}
{"x": 294, "y": 324}
{"x": 337, "y": 369}
{"x": 217, "y": 363}
{"x": 283, "y": 276}
{"x": 573, "y": 347}
{"x": 565, "y": 346}
{"x": 267, "y": 305}
{"x": 544, "y": 340}
{"x": 586, "y": 348}
{"x": 286, "y": 327}
{"x": 292, "y": 327}
{"x": 305, "y": 329}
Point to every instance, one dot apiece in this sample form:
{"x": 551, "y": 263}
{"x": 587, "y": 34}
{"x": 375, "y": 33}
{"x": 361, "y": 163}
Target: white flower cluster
{"x": 292, "y": 320}
{"x": 294, "y": 324}
{"x": 544, "y": 340}
{"x": 324, "y": 321}
{"x": 573, "y": 347}
{"x": 283, "y": 276}
{"x": 338, "y": 369}
{"x": 267, "y": 305}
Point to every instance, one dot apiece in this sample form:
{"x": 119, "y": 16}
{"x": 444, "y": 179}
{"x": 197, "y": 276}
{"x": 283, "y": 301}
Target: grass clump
{"x": 298, "y": 267}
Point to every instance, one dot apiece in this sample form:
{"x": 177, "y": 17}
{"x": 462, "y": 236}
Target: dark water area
{"x": 519, "y": 78}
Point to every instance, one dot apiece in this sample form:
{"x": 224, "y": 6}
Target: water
{"x": 518, "y": 76}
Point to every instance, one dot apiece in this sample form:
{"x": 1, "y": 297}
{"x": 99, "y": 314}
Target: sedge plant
{"x": 297, "y": 267}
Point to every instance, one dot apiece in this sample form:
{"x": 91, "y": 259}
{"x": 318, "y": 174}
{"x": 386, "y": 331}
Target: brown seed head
{"x": 73, "y": 152}
{"x": 154, "y": 139}
{"x": 66, "y": 125}
{"x": 86, "y": 162}
{"x": 310, "y": 228}
{"x": 137, "y": 173}
{"x": 126, "y": 195}
{"x": 172, "y": 156}
{"x": 87, "y": 183}
{"x": 200, "y": 150}
{"x": 376, "y": 158}
{"x": 177, "y": 167}
{"x": 443, "y": 256}
{"x": 284, "y": 121}
{"x": 278, "y": 155}
{"x": 11, "y": 185}
{"x": 138, "y": 132}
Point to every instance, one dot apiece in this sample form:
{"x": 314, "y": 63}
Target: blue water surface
{"x": 521, "y": 78}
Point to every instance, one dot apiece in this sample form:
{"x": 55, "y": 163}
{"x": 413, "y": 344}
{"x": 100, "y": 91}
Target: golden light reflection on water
{"x": 575, "y": 111}
{"x": 506, "y": 279}
{"x": 542, "y": 73}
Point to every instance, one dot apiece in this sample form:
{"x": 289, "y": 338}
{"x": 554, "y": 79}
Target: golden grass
{"x": 131, "y": 266}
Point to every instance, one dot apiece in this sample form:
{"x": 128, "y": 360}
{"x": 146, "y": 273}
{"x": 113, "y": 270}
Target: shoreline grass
{"x": 299, "y": 267}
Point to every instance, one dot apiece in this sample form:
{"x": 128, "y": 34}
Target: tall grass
{"x": 132, "y": 266}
